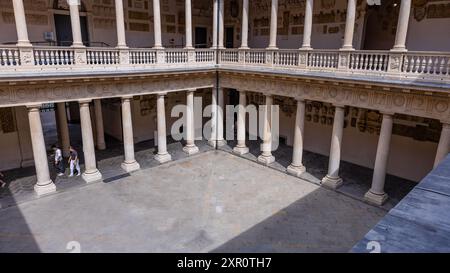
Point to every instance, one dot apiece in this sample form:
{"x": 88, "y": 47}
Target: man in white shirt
{"x": 59, "y": 165}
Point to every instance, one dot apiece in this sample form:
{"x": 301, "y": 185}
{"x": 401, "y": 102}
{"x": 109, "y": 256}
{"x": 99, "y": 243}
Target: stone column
{"x": 332, "y": 179}
{"x": 21, "y": 24}
{"x": 91, "y": 172}
{"x": 130, "y": 163}
{"x": 63, "y": 128}
{"x": 296, "y": 168}
{"x": 190, "y": 147}
{"x": 402, "y": 26}
{"x": 244, "y": 35}
{"x": 75, "y": 22}
{"x": 188, "y": 23}
{"x": 215, "y": 22}
{"x": 218, "y": 106}
{"x": 273, "y": 25}
{"x": 376, "y": 194}
{"x": 307, "y": 27}
{"x": 157, "y": 24}
{"x": 162, "y": 155}
{"x": 241, "y": 148}
{"x": 444, "y": 144}
{"x": 221, "y": 24}
{"x": 99, "y": 124}
{"x": 349, "y": 25}
{"x": 44, "y": 184}
{"x": 266, "y": 156}
{"x": 120, "y": 25}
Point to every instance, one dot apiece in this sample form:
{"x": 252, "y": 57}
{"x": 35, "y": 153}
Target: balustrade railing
{"x": 426, "y": 63}
{"x": 142, "y": 56}
{"x": 9, "y": 56}
{"x": 429, "y": 65}
{"x": 102, "y": 56}
{"x": 369, "y": 61}
{"x": 53, "y": 56}
{"x": 323, "y": 59}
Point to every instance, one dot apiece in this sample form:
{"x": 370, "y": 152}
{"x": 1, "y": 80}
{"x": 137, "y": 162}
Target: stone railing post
{"x": 26, "y": 55}
{"x": 344, "y": 60}
{"x": 241, "y": 56}
{"x": 269, "y": 58}
{"x": 303, "y": 59}
{"x": 160, "y": 56}
{"x": 395, "y": 63}
{"x": 124, "y": 56}
{"x": 80, "y": 55}
{"x": 190, "y": 55}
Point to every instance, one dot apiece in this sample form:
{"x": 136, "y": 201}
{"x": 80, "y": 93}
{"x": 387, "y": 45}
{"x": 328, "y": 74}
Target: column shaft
{"x": 75, "y": 22}
{"x": 130, "y": 163}
{"x": 91, "y": 172}
{"x": 307, "y": 27}
{"x": 188, "y": 23}
{"x": 44, "y": 184}
{"x": 21, "y": 24}
{"x": 332, "y": 179}
{"x": 296, "y": 167}
{"x": 376, "y": 193}
{"x": 221, "y": 23}
{"x": 157, "y": 24}
{"x": 244, "y": 35}
{"x": 273, "y": 25}
{"x": 163, "y": 155}
{"x": 266, "y": 156}
{"x": 217, "y": 110}
{"x": 215, "y": 22}
{"x": 402, "y": 26}
{"x": 99, "y": 124}
{"x": 120, "y": 25}
{"x": 349, "y": 25}
{"x": 443, "y": 146}
{"x": 63, "y": 128}
{"x": 190, "y": 147}
{"x": 241, "y": 148}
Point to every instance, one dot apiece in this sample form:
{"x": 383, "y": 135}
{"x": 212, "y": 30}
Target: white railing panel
{"x": 102, "y": 56}
{"x": 53, "y": 56}
{"x": 9, "y": 56}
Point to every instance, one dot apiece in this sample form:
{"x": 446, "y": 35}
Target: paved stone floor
{"x": 210, "y": 202}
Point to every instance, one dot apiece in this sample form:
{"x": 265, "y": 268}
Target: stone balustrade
{"x": 431, "y": 67}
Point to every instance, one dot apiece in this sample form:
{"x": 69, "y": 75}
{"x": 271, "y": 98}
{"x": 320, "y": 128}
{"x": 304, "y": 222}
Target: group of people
{"x": 74, "y": 162}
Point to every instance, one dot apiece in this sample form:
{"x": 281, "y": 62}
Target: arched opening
{"x": 63, "y": 26}
{"x": 381, "y": 25}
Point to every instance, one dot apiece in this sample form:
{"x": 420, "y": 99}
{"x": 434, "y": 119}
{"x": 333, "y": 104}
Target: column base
{"x": 130, "y": 166}
{"x": 163, "y": 158}
{"x": 101, "y": 146}
{"x": 217, "y": 143}
{"x": 296, "y": 170}
{"x": 45, "y": 189}
{"x": 190, "y": 150}
{"x": 375, "y": 199}
{"x": 271, "y": 48}
{"x": 240, "y": 150}
{"x": 332, "y": 182}
{"x": 92, "y": 177}
{"x": 266, "y": 159}
{"x": 347, "y": 48}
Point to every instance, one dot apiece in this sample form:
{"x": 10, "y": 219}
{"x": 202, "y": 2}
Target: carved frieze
{"x": 429, "y": 106}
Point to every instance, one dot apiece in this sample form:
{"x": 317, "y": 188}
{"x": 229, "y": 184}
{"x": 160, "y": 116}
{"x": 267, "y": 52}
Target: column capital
{"x": 300, "y": 99}
{"x": 33, "y": 106}
{"x": 127, "y": 97}
{"x": 73, "y": 2}
{"x": 84, "y": 101}
{"x": 161, "y": 94}
{"x": 445, "y": 125}
{"x": 387, "y": 113}
{"x": 339, "y": 106}
{"x": 191, "y": 90}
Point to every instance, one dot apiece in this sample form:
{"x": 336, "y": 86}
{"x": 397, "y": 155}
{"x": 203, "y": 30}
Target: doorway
{"x": 63, "y": 29}
{"x": 381, "y": 25}
{"x": 200, "y": 37}
{"x": 229, "y": 37}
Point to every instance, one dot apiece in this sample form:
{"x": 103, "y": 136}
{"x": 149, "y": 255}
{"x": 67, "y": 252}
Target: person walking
{"x": 74, "y": 161}
{"x": 59, "y": 165}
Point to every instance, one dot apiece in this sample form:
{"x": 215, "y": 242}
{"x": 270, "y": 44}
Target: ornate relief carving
{"x": 373, "y": 99}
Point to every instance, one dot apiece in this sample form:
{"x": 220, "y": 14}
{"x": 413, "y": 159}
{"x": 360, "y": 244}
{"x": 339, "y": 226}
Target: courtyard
{"x": 210, "y": 202}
